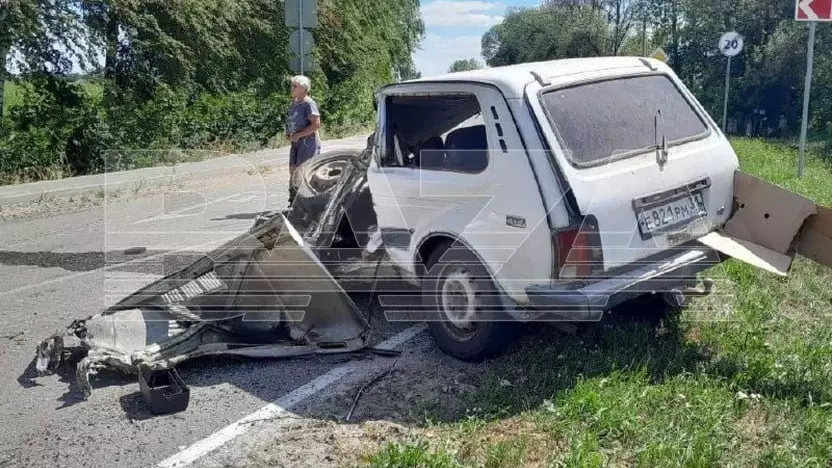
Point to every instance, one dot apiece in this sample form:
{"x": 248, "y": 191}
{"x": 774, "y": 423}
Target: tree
{"x": 409, "y": 73}
{"x": 188, "y": 74}
{"x": 553, "y": 31}
{"x": 465, "y": 65}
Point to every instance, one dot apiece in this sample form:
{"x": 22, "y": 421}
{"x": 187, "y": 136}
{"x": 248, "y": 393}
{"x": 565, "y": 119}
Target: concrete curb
{"x": 159, "y": 176}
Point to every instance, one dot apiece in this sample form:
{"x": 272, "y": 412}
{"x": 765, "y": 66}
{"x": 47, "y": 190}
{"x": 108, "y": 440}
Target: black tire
{"x": 321, "y": 174}
{"x": 312, "y": 186}
{"x": 455, "y": 272}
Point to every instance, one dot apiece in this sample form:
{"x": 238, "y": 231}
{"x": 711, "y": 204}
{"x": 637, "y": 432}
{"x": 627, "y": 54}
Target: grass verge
{"x": 739, "y": 379}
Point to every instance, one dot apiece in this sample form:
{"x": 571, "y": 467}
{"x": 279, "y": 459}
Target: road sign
{"x": 659, "y": 54}
{"x": 301, "y": 68}
{"x": 813, "y": 10}
{"x": 301, "y": 13}
{"x": 301, "y": 41}
{"x": 730, "y": 44}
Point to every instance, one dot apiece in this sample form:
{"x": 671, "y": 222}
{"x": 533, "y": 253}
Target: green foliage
{"x": 559, "y": 29}
{"x": 412, "y": 455}
{"x": 13, "y": 96}
{"x": 464, "y": 65}
{"x": 55, "y": 129}
{"x": 185, "y": 75}
{"x": 767, "y": 76}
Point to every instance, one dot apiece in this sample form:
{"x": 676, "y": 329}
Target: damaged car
{"x": 549, "y": 191}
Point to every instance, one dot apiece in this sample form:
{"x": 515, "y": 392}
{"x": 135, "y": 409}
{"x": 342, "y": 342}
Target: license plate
{"x": 672, "y": 214}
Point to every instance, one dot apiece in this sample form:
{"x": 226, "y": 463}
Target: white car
{"x": 552, "y": 190}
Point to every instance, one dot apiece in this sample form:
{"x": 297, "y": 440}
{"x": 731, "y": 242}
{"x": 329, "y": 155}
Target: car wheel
{"x": 314, "y": 182}
{"x": 466, "y": 319}
{"x": 321, "y": 174}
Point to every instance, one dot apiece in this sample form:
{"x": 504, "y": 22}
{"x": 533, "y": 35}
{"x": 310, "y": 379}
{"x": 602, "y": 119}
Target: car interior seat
{"x": 430, "y": 154}
{"x": 467, "y": 149}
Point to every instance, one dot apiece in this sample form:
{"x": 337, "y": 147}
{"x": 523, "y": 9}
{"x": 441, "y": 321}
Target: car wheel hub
{"x": 459, "y": 303}
{"x": 326, "y": 176}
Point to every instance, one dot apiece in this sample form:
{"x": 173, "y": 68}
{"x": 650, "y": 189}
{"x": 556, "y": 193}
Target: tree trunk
{"x": 3, "y": 75}
{"x": 110, "y": 60}
{"x": 674, "y": 35}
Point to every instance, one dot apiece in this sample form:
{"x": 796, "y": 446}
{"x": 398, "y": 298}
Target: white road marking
{"x": 278, "y": 408}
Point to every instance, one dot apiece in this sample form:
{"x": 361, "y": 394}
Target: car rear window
{"x": 602, "y": 121}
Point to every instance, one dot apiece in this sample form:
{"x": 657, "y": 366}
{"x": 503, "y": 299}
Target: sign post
{"x": 730, "y": 45}
{"x": 811, "y": 11}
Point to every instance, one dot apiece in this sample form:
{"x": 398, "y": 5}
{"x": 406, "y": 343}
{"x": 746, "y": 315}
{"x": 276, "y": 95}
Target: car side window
{"x": 443, "y": 132}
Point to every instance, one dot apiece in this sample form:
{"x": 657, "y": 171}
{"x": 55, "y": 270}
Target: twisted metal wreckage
{"x": 268, "y": 293}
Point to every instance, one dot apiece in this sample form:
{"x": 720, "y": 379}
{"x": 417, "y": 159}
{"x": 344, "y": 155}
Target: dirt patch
{"x": 422, "y": 387}
{"x": 314, "y": 443}
{"x": 413, "y": 390}
{"x": 753, "y": 429}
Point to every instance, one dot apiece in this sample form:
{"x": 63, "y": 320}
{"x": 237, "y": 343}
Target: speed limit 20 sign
{"x": 730, "y": 44}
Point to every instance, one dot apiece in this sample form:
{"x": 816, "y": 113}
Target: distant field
{"x": 14, "y": 92}
{"x": 743, "y": 378}
{"x": 12, "y": 97}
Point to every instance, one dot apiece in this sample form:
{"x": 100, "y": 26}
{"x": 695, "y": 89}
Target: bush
{"x": 51, "y": 132}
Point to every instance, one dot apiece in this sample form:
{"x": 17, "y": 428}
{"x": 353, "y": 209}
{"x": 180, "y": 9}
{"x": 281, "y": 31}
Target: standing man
{"x": 302, "y": 127}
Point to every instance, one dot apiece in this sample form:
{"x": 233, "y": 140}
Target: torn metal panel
{"x": 263, "y": 294}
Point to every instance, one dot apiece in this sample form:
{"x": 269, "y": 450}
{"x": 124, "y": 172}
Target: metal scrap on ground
{"x": 264, "y": 294}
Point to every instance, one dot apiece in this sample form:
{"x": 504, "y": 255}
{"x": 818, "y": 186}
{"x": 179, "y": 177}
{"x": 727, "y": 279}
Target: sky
{"x": 454, "y": 29}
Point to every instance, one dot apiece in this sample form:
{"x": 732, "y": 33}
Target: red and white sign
{"x": 813, "y": 10}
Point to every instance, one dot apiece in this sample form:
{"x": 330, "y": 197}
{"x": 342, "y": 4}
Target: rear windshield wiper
{"x": 661, "y": 145}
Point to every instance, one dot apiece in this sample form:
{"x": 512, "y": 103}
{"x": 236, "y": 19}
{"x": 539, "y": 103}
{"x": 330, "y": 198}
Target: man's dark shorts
{"x": 303, "y": 150}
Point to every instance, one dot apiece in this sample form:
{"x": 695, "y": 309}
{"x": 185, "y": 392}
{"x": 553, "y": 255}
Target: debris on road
{"x": 135, "y": 250}
{"x": 364, "y": 387}
{"x": 164, "y": 390}
{"x": 264, "y": 294}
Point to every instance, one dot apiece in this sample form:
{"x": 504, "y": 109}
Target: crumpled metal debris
{"x": 264, "y": 294}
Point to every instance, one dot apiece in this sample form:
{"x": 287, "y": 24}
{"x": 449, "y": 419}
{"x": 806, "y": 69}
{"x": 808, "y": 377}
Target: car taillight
{"x": 578, "y": 250}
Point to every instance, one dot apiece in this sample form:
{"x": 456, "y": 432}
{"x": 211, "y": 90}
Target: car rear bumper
{"x": 588, "y": 301}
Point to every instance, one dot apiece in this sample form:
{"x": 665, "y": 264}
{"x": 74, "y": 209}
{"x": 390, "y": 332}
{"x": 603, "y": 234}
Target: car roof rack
{"x": 647, "y": 64}
{"x": 541, "y": 78}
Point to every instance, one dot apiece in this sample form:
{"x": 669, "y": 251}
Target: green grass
{"x": 752, "y": 390}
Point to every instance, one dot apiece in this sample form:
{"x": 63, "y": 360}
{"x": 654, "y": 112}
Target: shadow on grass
{"x": 546, "y": 362}
{"x": 638, "y": 338}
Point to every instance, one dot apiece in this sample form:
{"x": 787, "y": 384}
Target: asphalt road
{"x": 66, "y": 266}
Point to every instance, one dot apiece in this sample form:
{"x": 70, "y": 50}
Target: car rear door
{"x": 640, "y": 154}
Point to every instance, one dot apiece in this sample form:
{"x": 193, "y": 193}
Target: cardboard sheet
{"x": 766, "y": 214}
{"x": 770, "y": 225}
{"x": 816, "y": 241}
{"x": 747, "y": 252}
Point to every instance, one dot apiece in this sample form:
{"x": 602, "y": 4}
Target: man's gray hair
{"x": 303, "y": 82}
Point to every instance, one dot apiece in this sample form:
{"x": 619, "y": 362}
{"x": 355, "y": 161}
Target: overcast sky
{"x": 454, "y": 29}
